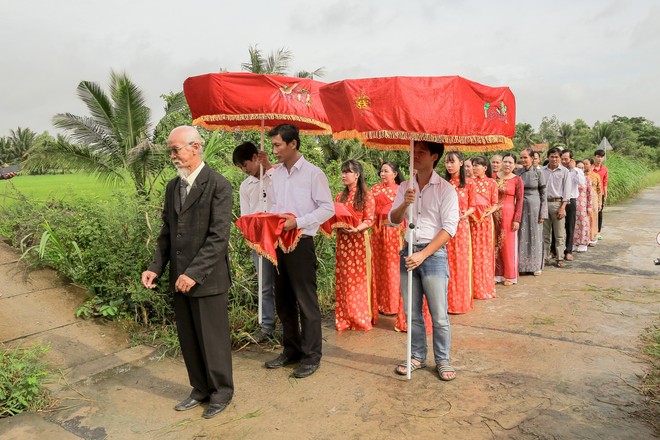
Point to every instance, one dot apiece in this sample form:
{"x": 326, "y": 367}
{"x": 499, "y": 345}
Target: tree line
{"x": 118, "y": 142}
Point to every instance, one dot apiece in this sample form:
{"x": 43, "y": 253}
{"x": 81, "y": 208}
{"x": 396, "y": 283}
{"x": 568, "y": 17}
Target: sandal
{"x": 561, "y": 263}
{"x": 507, "y": 283}
{"x": 444, "y": 371}
{"x": 568, "y": 257}
{"x": 538, "y": 273}
{"x": 401, "y": 369}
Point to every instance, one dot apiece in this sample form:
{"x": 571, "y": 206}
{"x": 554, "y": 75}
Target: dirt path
{"x": 555, "y": 357}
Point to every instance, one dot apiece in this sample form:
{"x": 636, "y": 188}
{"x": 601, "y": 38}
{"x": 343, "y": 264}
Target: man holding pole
{"x": 255, "y": 197}
{"x": 435, "y": 219}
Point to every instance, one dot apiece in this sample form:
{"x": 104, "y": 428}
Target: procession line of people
{"x": 472, "y": 229}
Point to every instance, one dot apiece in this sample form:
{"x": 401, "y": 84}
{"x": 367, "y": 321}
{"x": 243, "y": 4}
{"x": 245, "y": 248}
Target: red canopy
{"x": 387, "y": 113}
{"x": 242, "y": 100}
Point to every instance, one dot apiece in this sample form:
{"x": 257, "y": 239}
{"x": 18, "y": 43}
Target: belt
{"x": 554, "y": 199}
{"x": 306, "y": 236}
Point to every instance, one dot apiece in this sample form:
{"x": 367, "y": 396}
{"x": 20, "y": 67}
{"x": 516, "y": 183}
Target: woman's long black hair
{"x": 461, "y": 172}
{"x": 353, "y": 166}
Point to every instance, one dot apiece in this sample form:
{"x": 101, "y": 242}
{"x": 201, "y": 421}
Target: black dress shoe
{"x": 214, "y": 409}
{"x": 305, "y": 370}
{"x": 281, "y": 361}
{"x": 186, "y": 404}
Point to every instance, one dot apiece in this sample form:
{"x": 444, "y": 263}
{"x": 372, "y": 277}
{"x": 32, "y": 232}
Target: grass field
{"x": 59, "y": 186}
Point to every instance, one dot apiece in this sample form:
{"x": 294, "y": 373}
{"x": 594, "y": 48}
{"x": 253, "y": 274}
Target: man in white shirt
{"x": 558, "y": 193}
{"x": 576, "y": 178}
{"x": 435, "y": 219}
{"x": 299, "y": 188}
{"x": 256, "y": 198}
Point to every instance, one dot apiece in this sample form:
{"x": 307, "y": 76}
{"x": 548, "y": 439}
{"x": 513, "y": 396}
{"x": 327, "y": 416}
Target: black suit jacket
{"x": 194, "y": 239}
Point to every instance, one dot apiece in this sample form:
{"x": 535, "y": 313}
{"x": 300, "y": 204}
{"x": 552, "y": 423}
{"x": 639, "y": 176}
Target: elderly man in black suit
{"x": 193, "y": 239}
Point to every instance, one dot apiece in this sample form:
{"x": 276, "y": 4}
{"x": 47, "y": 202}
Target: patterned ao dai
{"x": 483, "y": 243}
{"x": 459, "y": 253}
{"x": 353, "y": 270}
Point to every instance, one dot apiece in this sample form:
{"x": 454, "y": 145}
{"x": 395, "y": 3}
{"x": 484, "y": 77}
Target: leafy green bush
{"x": 105, "y": 245}
{"x": 22, "y": 377}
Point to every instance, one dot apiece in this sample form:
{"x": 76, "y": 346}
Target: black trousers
{"x": 571, "y": 209}
{"x": 600, "y": 213}
{"x": 203, "y": 327}
{"x": 297, "y": 303}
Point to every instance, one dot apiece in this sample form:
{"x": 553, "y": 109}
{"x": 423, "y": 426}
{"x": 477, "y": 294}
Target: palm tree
{"x": 524, "y": 137}
{"x": 114, "y": 142}
{"x": 320, "y": 73}
{"x": 604, "y": 130}
{"x": 565, "y": 134}
{"x": 19, "y": 143}
{"x": 276, "y": 63}
{"x": 5, "y": 150}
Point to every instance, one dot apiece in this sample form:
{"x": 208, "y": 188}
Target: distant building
{"x": 541, "y": 148}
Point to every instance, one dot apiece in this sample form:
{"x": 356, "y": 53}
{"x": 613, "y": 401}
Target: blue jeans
{"x": 430, "y": 279}
{"x": 267, "y": 293}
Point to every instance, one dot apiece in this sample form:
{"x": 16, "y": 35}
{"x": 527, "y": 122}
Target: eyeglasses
{"x": 176, "y": 150}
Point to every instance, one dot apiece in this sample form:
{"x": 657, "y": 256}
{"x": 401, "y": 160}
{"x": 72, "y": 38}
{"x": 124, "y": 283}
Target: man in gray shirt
{"x": 558, "y": 192}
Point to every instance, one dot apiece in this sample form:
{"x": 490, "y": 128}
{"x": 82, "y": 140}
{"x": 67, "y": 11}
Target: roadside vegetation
{"x": 651, "y": 380}
{"x": 23, "y": 375}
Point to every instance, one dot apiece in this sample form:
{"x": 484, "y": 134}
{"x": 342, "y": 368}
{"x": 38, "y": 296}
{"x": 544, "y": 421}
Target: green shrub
{"x": 105, "y": 245}
{"x": 22, "y": 377}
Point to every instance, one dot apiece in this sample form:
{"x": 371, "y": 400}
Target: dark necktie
{"x": 183, "y": 193}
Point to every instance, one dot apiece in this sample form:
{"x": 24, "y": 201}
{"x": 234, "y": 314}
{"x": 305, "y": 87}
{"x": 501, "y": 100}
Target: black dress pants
{"x": 571, "y": 209}
{"x": 297, "y": 303}
{"x": 203, "y": 327}
{"x": 600, "y": 214}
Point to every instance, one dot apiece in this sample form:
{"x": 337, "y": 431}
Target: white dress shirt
{"x": 190, "y": 180}
{"x": 251, "y": 200}
{"x": 303, "y": 192}
{"x": 435, "y": 208}
{"x": 577, "y": 180}
{"x": 558, "y": 183}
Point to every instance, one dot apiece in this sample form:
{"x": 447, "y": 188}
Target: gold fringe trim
{"x": 215, "y": 122}
{"x": 289, "y": 249}
{"x": 374, "y": 139}
{"x": 259, "y": 250}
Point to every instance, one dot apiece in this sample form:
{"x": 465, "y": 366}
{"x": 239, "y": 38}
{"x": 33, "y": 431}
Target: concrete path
{"x": 555, "y": 357}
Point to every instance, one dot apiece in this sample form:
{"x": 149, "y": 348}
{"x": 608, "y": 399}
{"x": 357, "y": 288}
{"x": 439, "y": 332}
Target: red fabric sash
{"x": 264, "y": 232}
{"x": 345, "y": 217}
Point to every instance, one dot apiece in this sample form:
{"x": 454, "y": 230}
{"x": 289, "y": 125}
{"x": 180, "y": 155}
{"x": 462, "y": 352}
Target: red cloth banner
{"x": 264, "y": 232}
{"x": 344, "y": 217}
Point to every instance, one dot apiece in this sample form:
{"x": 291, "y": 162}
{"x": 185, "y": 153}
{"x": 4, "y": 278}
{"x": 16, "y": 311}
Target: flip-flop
{"x": 445, "y": 368}
{"x": 401, "y": 368}
{"x": 561, "y": 263}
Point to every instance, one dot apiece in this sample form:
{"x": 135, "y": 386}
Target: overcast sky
{"x": 588, "y": 59}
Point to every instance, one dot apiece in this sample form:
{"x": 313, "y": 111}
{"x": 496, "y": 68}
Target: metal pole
{"x": 410, "y": 240}
{"x": 260, "y": 266}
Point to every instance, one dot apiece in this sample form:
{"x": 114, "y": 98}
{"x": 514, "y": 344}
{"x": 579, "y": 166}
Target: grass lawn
{"x": 59, "y": 186}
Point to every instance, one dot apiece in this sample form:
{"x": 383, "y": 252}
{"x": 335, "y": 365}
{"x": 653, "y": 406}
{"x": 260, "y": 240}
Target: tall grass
{"x": 628, "y": 176}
